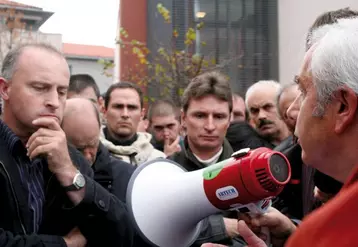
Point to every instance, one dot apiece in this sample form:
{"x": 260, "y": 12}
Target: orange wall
{"x": 133, "y": 14}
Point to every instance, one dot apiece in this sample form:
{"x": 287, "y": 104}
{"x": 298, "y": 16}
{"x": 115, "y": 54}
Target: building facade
{"x": 265, "y": 39}
{"x": 84, "y": 59}
{"x": 240, "y": 34}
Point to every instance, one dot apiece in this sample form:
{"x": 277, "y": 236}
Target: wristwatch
{"x": 78, "y": 183}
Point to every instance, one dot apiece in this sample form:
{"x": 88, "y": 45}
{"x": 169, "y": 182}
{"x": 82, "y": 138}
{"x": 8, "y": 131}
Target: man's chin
{"x": 267, "y": 135}
{"x": 125, "y": 133}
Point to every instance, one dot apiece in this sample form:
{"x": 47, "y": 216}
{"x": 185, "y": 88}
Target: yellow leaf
{"x": 203, "y": 43}
{"x": 196, "y": 58}
{"x": 143, "y": 61}
{"x": 135, "y": 50}
{"x": 190, "y": 34}
{"x": 175, "y": 33}
{"x": 157, "y": 69}
{"x": 200, "y": 25}
{"x": 181, "y": 91}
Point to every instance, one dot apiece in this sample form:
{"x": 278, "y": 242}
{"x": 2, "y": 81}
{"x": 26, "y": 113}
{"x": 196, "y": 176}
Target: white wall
{"x": 295, "y": 17}
{"x": 93, "y": 68}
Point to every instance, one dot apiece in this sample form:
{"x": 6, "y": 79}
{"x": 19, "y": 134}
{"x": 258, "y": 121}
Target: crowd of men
{"x": 67, "y": 152}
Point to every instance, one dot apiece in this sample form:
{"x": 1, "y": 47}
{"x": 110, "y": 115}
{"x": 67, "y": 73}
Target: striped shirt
{"x": 31, "y": 173}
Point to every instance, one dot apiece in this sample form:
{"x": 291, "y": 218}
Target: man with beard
{"x": 260, "y": 102}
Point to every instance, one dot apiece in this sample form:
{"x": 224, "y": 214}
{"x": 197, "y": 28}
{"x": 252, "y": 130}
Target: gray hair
{"x": 9, "y": 64}
{"x": 334, "y": 62}
{"x": 260, "y": 85}
{"x": 279, "y": 94}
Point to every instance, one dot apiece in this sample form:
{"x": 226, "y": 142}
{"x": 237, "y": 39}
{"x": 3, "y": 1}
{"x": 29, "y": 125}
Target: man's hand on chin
{"x": 50, "y": 141}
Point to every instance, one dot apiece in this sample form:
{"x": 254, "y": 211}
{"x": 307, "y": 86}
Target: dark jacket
{"x": 242, "y": 135}
{"x": 326, "y": 183}
{"x": 213, "y": 230}
{"x": 297, "y": 199}
{"x": 112, "y": 173}
{"x": 59, "y": 216}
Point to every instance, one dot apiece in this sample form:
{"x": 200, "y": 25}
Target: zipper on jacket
{"x": 14, "y": 195}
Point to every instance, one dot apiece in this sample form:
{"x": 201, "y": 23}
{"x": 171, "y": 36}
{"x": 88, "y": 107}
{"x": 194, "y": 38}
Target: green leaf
{"x": 180, "y": 91}
{"x": 145, "y": 98}
{"x": 200, "y": 25}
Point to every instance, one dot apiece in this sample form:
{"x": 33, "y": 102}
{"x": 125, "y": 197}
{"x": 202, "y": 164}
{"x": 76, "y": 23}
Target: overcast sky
{"x": 90, "y": 22}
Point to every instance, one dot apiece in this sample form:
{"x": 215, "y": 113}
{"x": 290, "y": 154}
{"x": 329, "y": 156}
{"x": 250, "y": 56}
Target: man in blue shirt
{"x": 48, "y": 195}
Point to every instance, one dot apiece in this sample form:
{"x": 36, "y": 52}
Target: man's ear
{"x": 345, "y": 104}
{"x": 4, "y": 89}
{"x": 183, "y": 118}
{"x": 100, "y": 103}
{"x": 142, "y": 113}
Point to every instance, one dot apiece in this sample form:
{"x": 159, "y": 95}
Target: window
{"x": 239, "y": 33}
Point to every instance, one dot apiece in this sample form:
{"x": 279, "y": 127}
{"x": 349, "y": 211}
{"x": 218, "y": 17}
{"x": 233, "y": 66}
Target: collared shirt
{"x": 31, "y": 173}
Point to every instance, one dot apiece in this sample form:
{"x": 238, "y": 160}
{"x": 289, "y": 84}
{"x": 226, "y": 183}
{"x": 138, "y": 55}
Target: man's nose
{"x": 166, "y": 132}
{"x": 53, "y": 100}
{"x": 125, "y": 112}
{"x": 210, "y": 124}
{"x": 89, "y": 154}
{"x": 262, "y": 114}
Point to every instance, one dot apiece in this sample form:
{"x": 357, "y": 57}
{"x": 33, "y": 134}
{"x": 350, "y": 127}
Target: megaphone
{"x": 167, "y": 203}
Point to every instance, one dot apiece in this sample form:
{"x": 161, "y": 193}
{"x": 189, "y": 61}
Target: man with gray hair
{"x": 327, "y": 131}
{"x": 47, "y": 191}
{"x": 260, "y": 102}
{"x": 285, "y": 97}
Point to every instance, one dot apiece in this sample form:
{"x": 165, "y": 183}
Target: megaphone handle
{"x": 266, "y": 232}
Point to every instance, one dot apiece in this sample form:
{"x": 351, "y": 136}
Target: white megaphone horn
{"x": 167, "y": 203}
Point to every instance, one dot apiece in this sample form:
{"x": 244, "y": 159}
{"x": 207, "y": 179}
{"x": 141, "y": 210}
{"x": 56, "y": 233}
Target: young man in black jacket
{"x": 48, "y": 196}
{"x": 207, "y": 106}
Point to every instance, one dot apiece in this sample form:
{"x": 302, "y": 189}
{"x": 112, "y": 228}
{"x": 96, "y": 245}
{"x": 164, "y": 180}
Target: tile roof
{"x": 16, "y": 4}
{"x": 87, "y": 50}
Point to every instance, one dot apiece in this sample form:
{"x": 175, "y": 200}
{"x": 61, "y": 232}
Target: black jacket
{"x": 213, "y": 229}
{"x": 112, "y": 173}
{"x": 297, "y": 198}
{"x": 242, "y": 135}
{"x": 59, "y": 216}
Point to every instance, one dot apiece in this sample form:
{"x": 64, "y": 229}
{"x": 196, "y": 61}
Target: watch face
{"x": 80, "y": 181}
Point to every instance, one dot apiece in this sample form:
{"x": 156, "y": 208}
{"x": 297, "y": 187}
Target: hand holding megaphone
{"x": 167, "y": 203}
{"x": 251, "y": 239}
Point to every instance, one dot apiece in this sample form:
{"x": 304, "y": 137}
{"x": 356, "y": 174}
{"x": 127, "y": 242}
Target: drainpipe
{"x": 117, "y": 51}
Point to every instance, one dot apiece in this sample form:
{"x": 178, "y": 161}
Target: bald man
{"x": 81, "y": 124}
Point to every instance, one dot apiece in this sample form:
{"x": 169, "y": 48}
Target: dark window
{"x": 239, "y": 33}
